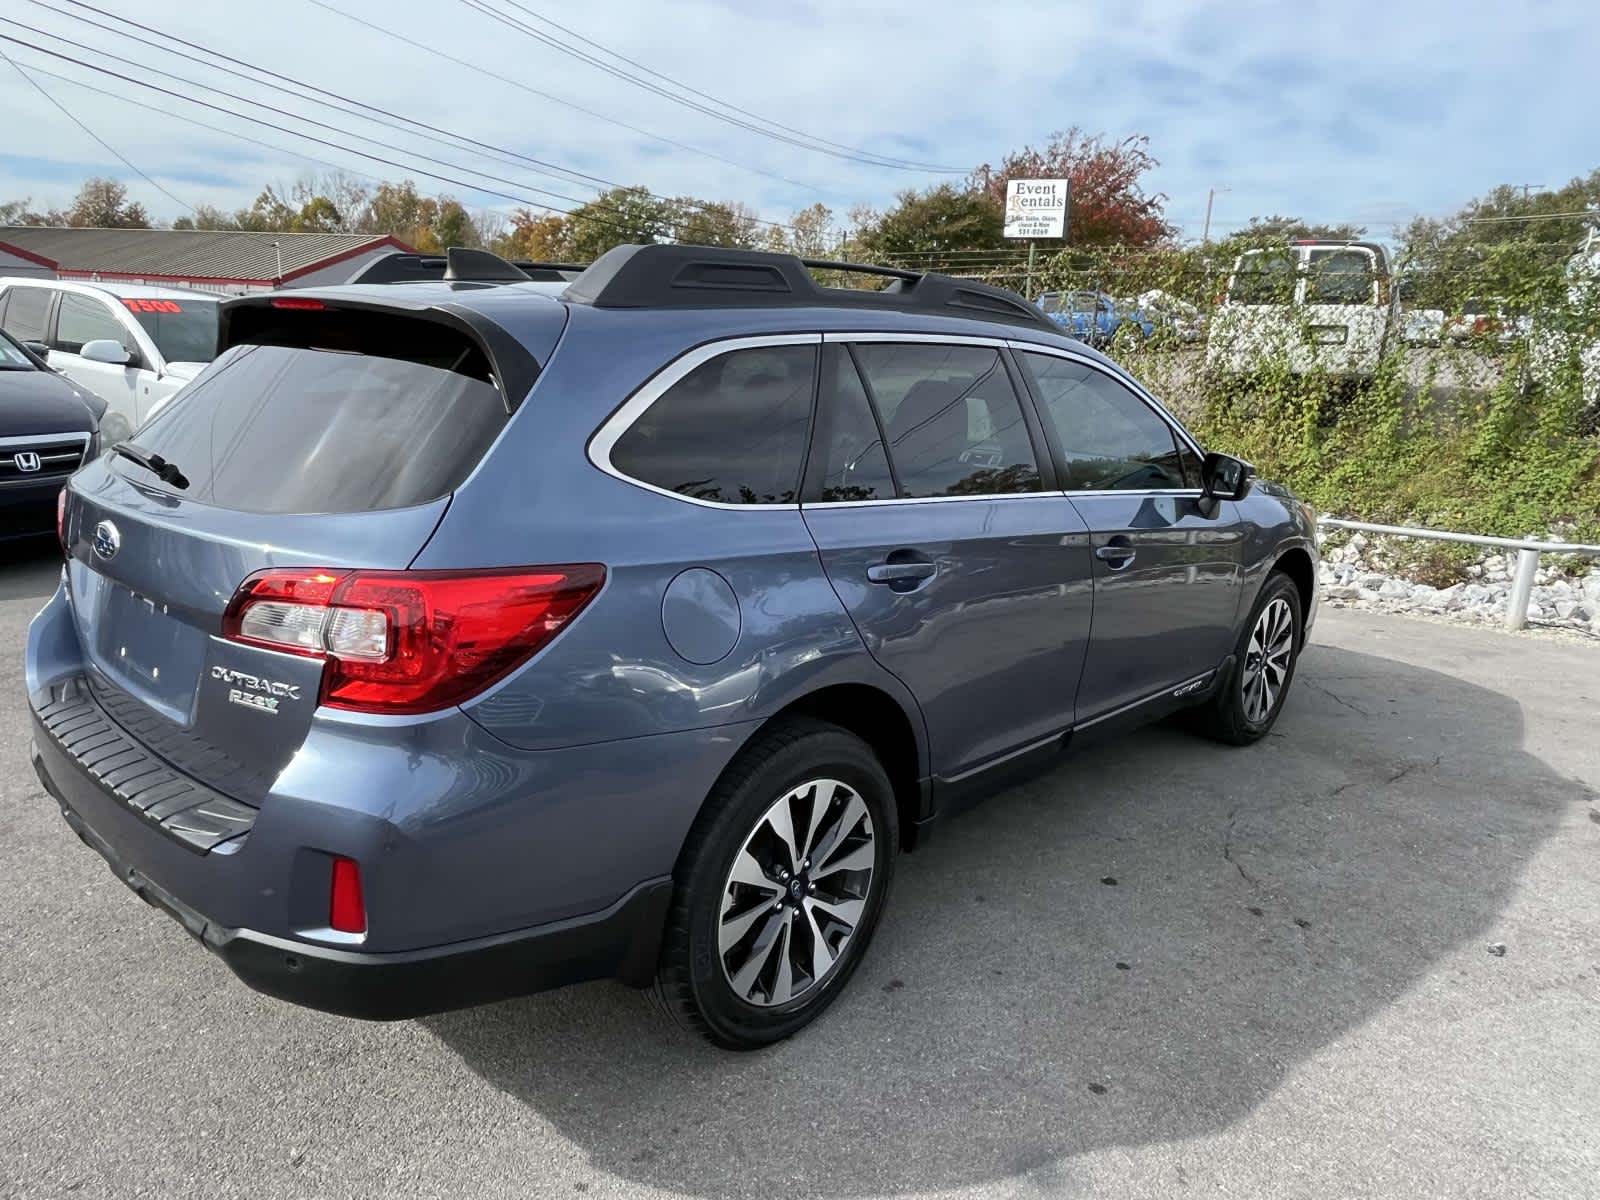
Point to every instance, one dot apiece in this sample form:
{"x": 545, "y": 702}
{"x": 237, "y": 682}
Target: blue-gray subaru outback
{"x": 452, "y": 640}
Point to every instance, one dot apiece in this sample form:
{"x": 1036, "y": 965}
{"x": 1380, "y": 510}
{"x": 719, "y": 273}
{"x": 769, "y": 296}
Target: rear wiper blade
{"x": 167, "y": 472}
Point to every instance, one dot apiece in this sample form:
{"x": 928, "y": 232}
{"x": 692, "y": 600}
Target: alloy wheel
{"x": 1266, "y": 660}
{"x": 796, "y": 893}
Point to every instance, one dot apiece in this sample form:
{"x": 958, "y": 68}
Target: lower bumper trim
{"x": 622, "y": 941}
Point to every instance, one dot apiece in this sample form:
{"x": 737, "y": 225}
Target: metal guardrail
{"x": 1528, "y": 554}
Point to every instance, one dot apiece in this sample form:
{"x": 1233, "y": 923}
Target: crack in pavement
{"x": 1338, "y": 699}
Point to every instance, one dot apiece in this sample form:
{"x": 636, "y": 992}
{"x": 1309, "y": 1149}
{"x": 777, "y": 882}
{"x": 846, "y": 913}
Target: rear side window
{"x": 952, "y": 420}
{"x": 848, "y": 443}
{"x": 1110, "y": 439}
{"x": 83, "y": 320}
{"x": 26, "y": 309}
{"x": 732, "y": 431}
{"x": 377, "y": 413}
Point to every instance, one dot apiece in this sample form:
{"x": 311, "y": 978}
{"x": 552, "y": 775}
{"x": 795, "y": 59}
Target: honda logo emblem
{"x": 27, "y": 461}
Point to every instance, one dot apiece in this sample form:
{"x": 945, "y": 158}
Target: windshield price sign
{"x": 1036, "y": 208}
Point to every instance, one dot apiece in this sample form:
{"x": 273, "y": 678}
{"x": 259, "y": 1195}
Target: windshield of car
{"x": 1051, "y": 302}
{"x": 183, "y": 330}
{"x": 12, "y": 357}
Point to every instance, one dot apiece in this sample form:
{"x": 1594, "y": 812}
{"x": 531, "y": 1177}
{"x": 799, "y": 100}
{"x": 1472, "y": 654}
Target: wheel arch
{"x": 881, "y": 720}
{"x": 1295, "y": 562}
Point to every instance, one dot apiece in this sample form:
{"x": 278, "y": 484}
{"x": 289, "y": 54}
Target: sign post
{"x": 1036, "y": 208}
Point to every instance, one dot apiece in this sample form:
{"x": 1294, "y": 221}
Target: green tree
{"x": 924, "y": 227}
{"x": 711, "y": 223}
{"x": 103, "y": 204}
{"x": 619, "y": 217}
{"x": 318, "y": 215}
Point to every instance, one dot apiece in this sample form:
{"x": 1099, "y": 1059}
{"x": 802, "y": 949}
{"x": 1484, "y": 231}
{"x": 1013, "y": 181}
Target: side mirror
{"x": 106, "y": 350}
{"x": 1223, "y": 477}
{"x": 38, "y": 349}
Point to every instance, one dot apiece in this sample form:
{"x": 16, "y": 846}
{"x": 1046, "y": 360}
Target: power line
{"x": 479, "y": 69}
{"x": 814, "y": 145}
{"x": 232, "y": 133}
{"x": 474, "y": 145}
{"x": 389, "y": 162}
{"x": 851, "y": 150}
{"x": 107, "y": 145}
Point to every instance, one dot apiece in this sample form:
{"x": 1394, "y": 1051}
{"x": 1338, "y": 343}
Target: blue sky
{"x": 1358, "y": 112}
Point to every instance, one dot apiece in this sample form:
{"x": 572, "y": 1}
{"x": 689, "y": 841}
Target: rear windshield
{"x": 183, "y": 330}
{"x": 1263, "y": 277}
{"x": 1340, "y": 277}
{"x": 331, "y": 428}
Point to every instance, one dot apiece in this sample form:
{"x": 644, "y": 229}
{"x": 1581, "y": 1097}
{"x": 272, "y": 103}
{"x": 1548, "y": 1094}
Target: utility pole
{"x": 1526, "y": 188}
{"x": 1211, "y": 195}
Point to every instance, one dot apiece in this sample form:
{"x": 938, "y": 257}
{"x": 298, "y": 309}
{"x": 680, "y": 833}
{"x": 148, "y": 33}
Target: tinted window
{"x": 847, "y": 443}
{"x": 83, "y": 320}
{"x": 282, "y": 429}
{"x": 1263, "y": 277}
{"x": 183, "y": 330}
{"x": 1339, "y": 277}
{"x": 25, "y": 313}
{"x": 1110, "y": 439}
{"x": 733, "y": 430}
{"x": 952, "y": 419}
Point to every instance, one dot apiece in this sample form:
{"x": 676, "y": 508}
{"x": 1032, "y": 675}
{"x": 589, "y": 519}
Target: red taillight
{"x": 302, "y": 302}
{"x": 347, "y": 909}
{"x": 61, "y": 518}
{"x": 409, "y": 641}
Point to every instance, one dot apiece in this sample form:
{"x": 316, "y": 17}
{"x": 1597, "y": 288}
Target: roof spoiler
{"x": 679, "y": 276}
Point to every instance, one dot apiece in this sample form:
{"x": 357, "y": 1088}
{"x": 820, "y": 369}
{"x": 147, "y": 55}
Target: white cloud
{"x": 1356, "y": 111}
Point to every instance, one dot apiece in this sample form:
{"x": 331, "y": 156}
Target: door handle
{"x": 901, "y": 572}
{"x": 1117, "y": 553}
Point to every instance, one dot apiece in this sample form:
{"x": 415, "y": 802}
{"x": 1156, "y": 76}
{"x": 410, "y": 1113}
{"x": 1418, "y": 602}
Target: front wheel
{"x": 1248, "y": 701}
{"x": 779, "y": 887}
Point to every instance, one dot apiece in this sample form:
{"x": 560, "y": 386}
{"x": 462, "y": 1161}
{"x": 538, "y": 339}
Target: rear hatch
{"x": 327, "y": 434}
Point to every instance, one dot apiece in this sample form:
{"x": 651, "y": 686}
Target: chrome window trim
{"x": 952, "y": 339}
{"x": 605, "y": 438}
{"x": 935, "y": 499}
{"x": 1127, "y": 381}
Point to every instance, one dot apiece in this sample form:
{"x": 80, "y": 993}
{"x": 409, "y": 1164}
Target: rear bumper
{"x": 622, "y": 941}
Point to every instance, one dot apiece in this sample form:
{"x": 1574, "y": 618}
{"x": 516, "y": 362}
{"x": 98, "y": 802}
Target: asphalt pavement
{"x": 1361, "y": 958}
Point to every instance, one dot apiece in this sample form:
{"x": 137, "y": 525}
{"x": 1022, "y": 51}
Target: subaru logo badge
{"x": 107, "y": 540}
{"x": 26, "y": 460}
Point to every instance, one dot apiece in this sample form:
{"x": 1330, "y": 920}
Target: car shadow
{"x": 1136, "y": 948}
{"x": 29, "y": 567}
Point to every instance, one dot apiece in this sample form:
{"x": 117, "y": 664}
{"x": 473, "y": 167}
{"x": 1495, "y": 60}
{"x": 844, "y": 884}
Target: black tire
{"x": 1227, "y": 716}
{"x": 694, "y": 980}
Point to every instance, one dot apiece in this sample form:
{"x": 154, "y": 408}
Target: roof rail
{"x": 679, "y": 276}
{"x": 402, "y": 266}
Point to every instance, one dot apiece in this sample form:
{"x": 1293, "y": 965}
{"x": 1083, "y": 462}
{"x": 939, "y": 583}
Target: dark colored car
{"x": 48, "y": 427}
{"x": 450, "y": 640}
